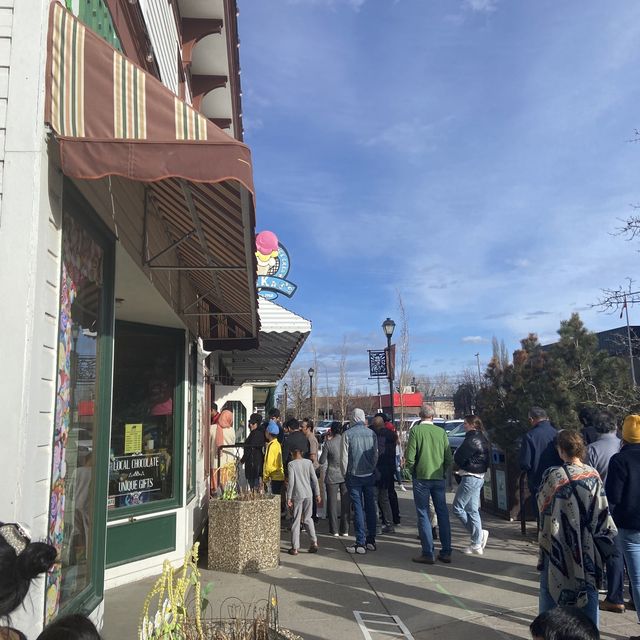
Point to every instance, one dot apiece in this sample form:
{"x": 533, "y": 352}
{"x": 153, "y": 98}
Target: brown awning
{"x": 112, "y": 118}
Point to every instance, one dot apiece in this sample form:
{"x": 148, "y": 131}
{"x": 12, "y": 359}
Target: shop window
{"x": 145, "y": 457}
{"x": 83, "y": 391}
{"x": 239, "y": 419}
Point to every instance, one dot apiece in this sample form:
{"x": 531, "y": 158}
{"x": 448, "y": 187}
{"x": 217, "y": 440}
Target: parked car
{"x": 407, "y": 423}
{"x": 456, "y": 436}
{"x": 449, "y": 425}
{"x": 322, "y": 428}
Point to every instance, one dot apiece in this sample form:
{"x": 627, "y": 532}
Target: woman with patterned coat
{"x": 573, "y": 513}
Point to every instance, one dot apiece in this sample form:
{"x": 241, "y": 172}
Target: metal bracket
{"x": 174, "y": 245}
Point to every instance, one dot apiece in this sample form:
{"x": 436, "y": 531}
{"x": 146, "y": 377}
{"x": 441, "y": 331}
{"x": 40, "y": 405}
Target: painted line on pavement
{"x": 444, "y": 591}
{"x": 461, "y": 604}
{"x": 365, "y": 618}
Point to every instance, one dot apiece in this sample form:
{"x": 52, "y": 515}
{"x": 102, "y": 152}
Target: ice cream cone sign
{"x": 266, "y": 251}
{"x": 273, "y": 267}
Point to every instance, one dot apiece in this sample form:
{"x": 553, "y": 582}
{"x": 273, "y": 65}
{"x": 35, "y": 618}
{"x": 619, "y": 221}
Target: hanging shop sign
{"x": 273, "y": 267}
{"x": 378, "y": 364}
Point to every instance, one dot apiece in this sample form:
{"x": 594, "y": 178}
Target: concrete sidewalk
{"x": 488, "y": 597}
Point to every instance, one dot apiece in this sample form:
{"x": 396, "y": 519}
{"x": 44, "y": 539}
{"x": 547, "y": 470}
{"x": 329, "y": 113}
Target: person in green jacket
{"x": 428, "y": 457}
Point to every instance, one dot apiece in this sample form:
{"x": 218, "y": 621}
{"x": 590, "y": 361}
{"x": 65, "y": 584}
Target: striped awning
{"x": 111, "y": 118}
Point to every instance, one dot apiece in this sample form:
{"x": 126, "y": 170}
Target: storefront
{"x": 157, "y": 254}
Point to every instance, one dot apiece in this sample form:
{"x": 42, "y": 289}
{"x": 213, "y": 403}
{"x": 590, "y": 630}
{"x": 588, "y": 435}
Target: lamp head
{"x": 388, "y": 326}
{"x": 311, "y": 372}
{"x": 285, "y": 386}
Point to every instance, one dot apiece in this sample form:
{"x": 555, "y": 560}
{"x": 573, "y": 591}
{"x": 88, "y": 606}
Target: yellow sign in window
{"x": 132, "y": 438}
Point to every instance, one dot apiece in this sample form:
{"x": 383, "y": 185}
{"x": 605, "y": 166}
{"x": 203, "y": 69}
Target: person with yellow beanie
{"x": 623, "y": 492}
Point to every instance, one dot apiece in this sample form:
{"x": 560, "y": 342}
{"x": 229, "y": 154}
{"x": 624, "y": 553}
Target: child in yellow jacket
{"x": 273, "y": 469}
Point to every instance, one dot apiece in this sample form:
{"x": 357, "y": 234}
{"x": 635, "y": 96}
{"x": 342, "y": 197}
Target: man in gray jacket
{"x": 599, "y": 453}
{"x": 358, "y": 462}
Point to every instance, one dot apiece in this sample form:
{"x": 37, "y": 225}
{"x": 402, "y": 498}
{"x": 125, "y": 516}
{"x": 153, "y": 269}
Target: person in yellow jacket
{"x": 273, "y": 469}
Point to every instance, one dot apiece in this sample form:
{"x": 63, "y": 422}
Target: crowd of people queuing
{"x": 585, "y": 488}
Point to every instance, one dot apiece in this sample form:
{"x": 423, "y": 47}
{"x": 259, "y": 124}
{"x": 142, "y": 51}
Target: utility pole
{"x": 479, "y": 374}
{"x": 633, "y": 369}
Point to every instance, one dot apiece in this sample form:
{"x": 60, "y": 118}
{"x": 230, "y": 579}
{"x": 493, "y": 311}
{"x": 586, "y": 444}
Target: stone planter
{"x": 244, "y": 535}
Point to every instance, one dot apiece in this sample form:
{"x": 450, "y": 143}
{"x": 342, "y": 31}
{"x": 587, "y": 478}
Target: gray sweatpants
{"x": 302, "y": 510}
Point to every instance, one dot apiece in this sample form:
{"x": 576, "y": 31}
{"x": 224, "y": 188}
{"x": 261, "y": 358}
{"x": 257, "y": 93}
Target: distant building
{"x": 616, "y": 343}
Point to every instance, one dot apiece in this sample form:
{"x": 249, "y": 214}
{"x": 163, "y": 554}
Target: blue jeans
{"x": 546, "y": 602}
{"x": 363, "y": 488}
{"x": 466, "y": 505}
{"x": 422, "y": 489}
{"x": 630, "y": 540}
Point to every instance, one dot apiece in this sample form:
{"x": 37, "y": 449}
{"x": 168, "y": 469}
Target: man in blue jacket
{"x": 538, "y": 450}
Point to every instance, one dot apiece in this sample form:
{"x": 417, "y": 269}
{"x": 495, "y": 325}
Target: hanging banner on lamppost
{"x": 378, "y": 364}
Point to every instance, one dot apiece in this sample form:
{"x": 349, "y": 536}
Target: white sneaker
{"x": 344, "y": 535}
{"x": 403, "y": 488}
{"x": 473, "y": 551}
{"x": 335, "y": 535}
{"x": 485, "y": 537}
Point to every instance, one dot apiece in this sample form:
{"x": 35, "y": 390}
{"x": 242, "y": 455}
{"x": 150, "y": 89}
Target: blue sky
{"x": 473, "y": 155}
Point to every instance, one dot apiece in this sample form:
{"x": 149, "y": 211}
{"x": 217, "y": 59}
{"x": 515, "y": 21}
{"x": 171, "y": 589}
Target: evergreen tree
{"x": 571, "y": 374}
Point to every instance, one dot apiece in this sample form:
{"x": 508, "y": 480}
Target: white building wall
{"x": 163, "y": 33}
{"x": 29, "y": 277}
{"x": 6, "y": 22}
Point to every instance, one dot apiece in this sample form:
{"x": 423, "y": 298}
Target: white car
{"x": 323, "y": 427}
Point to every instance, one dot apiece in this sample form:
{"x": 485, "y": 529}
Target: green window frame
{"x": 178, "y": 459}
{"x": 75, "y": 205}
{"x": 193, "y": 417}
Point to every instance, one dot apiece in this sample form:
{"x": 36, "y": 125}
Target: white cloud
{"x": 354, "y": 4}
{"x": 519, "y": 263}
{"x": 475, "y": 339}
{"x": 481, "y": 6}
{"x": 412, "y": 136}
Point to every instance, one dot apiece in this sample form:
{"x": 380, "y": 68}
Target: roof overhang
{"x": 282, "y": 335}
{"x": 111, "y": 118}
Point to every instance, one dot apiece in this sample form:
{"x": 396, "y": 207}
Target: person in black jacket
{"x": 538, "y": 450}
{"x": 472, "y": 458}
{"x": 253, "y": 456}
{"x": 587, "y": 417}
{"x": 623, "y": 493}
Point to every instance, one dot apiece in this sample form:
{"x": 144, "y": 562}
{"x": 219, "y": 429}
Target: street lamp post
{"x": 311, "y": 372}
{"x": 285, "y": 387}
{"x": 388, "y": 326}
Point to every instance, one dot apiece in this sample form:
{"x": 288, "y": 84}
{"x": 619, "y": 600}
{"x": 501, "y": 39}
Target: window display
{"x": 76, "y": 427}
{"x": 143, "y": 433}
